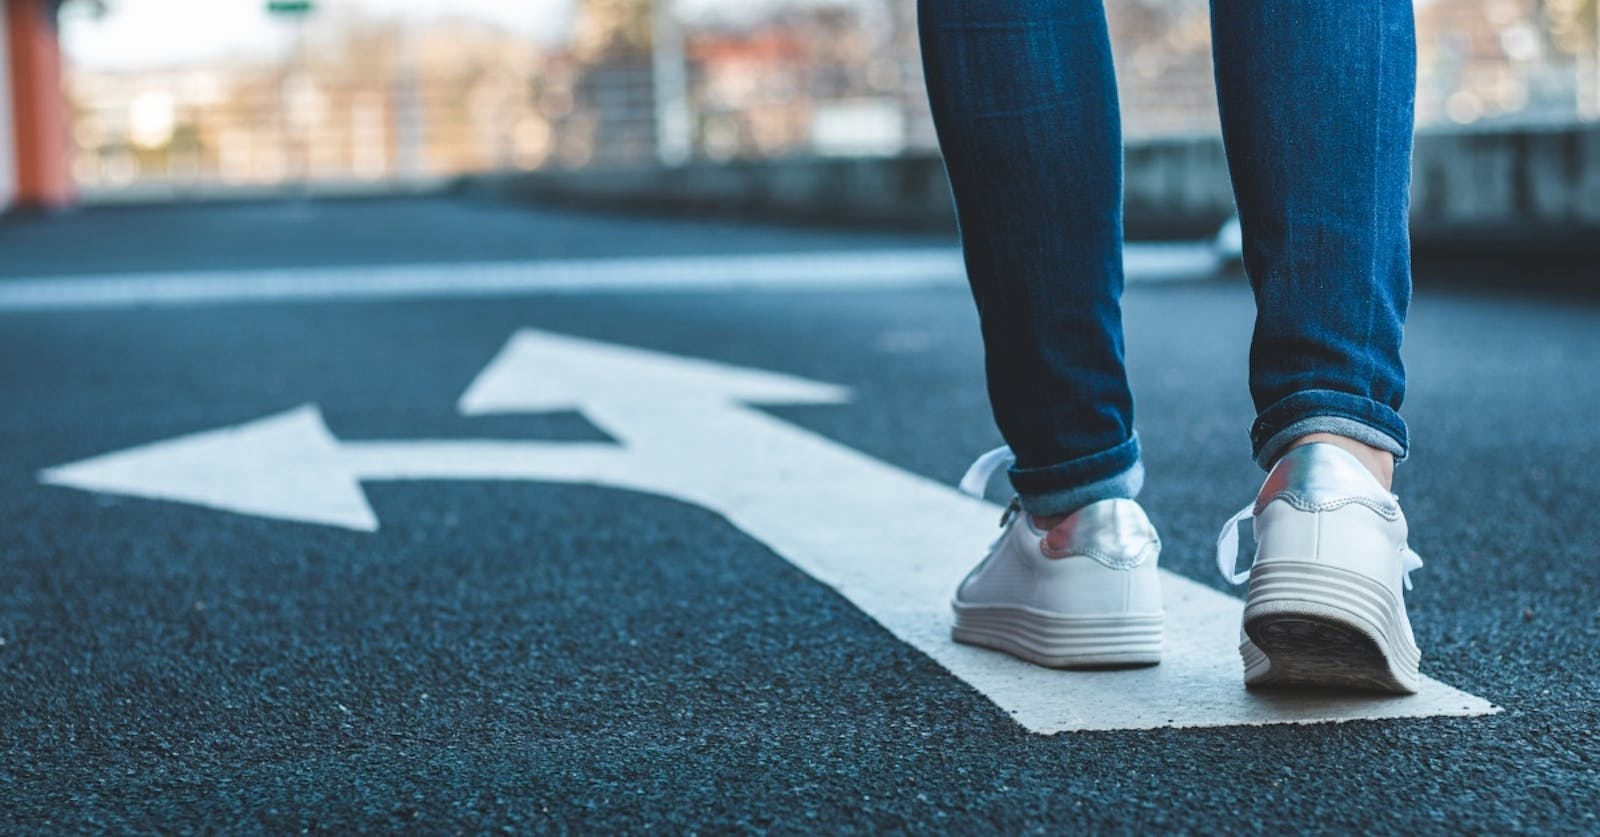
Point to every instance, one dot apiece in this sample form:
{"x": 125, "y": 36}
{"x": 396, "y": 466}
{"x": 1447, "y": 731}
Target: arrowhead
{"x": 538, "y": 371}
{"x": 286, "y": 466}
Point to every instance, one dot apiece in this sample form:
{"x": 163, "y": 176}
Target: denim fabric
{"x": 1060, "y": 489}
{"x": 1316, "y": 101}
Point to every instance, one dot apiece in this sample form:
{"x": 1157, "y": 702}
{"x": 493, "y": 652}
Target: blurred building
{"x": 377, "y": 100}
{"x": 1510, "y": 61}
{"x": 1162, "y": 50}
{"x": 363, "y": 102}
{"x": 812, "y": 81}
{"x": 608, "y": 83}
{"x": 807, "y": 79}
{"x": 1479, "y": 61}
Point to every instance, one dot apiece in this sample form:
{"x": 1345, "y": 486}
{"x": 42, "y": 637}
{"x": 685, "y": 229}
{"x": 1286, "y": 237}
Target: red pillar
{"x": 44, "y": 179}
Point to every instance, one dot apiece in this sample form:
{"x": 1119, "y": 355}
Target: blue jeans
{"x": 1316, "y": 99}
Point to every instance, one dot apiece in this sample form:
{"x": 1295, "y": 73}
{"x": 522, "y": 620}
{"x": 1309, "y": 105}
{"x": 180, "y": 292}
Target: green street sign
{"x": 288, "y": 7}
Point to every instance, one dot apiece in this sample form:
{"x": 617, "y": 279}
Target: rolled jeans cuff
{"x": 1065, "y": 487}
{"x": 1327, "y": 411}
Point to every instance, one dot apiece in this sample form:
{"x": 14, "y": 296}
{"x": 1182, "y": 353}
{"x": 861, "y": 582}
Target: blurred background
{"x": 168, "y": 94}
{"x": 784, "y": 110}
{"x": 326, "y": 217}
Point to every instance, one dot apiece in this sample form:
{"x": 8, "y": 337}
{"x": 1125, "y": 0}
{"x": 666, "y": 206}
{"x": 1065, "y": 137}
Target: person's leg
{"x": 1316, "y": 98}
{"x": 1024, "y": 99}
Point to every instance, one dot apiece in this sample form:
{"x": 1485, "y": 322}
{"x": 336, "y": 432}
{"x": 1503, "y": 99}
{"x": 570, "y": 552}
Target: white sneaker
{"x": 1326, "y": 607}
{"x": 1094, "y": 602}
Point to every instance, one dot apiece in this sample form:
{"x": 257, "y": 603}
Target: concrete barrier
{"x": 899, "y": 192}
{"x": 1530, "y": 186}
{"x": 1525, "y": 180}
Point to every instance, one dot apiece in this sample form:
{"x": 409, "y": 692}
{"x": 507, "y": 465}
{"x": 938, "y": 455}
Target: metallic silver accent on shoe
{"x": 1322, "y": 477}
{"x": 1117, "y": 534}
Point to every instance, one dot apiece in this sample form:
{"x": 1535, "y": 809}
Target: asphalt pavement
{"x": 548, "y": 657}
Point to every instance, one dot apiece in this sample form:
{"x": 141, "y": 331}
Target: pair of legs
{"x": 1316, "y": 99}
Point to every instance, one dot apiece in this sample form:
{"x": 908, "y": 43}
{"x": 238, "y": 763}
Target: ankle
{"x": 1377, "y": 460}
{"x": 1055, "y": 536}
{"x": 1045, "y": 524}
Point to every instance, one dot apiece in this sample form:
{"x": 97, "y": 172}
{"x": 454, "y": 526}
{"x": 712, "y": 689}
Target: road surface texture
{"x": 549, "y": 657}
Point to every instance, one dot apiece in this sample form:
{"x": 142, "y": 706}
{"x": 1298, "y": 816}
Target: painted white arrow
{"x": 895, "y": 544}
{"x": 289, "y": 467}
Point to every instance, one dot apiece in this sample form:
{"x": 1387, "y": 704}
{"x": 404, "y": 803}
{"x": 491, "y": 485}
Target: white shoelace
{"x": 1228, "y": 551}
{"x": 978, "y": 476}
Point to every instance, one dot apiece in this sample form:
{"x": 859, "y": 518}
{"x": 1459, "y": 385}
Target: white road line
{"x": 893, "y": 543}
{"x": 866, "y": 269}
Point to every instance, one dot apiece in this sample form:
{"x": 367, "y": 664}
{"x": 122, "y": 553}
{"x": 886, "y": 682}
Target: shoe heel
{"x": 1310, "y": 625}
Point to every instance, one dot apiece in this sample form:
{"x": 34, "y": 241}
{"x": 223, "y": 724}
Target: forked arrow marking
{"x": 895, "y": 544}
{"x": 289, "y": 467}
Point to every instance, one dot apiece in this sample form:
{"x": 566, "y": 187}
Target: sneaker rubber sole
{"x": 1312, "y": 626}
{"x": 1056, "y": 641}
